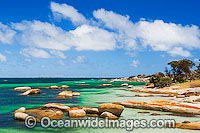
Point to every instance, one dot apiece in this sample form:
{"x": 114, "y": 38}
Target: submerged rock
{"x": 31, "y": 92}
{"x": 91, "y": 110}
{"x": 155, "y": 114}
{"x": 83, "y": 84}
{"x": 108, "y": 115}
{"x": 22, "y": 88}
{"x": 106, "y": 85}
{"x": 57, "y": 106}
{"x": 144, "y": 112}
{"x": 112, "y": 108}
{"x": 143, "y": 95}
{"x": 76, "y": 112}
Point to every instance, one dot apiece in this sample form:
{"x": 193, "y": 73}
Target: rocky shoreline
{"x": 185, "y": 101}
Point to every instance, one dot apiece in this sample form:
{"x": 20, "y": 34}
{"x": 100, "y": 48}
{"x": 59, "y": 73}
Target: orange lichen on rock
{"x": 112, "y": 108}
{"x": 192, "y": 125}
{"x": 162, "y": 106}
{"x": 76, "y": 112}
{"x": 57, "y": 106}
{"x": 91, "y": 110}
{"x": 66, "y": 93}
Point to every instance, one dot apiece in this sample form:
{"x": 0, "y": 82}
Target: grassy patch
{"x": 194, "y": 83}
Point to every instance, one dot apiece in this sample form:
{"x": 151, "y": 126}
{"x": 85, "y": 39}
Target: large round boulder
{"x": 112, "y": 108}
{"x": 76, "y": 112}
{"x": 51, "y": 113}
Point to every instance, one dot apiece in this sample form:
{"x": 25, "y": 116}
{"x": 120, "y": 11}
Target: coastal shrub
{"x": 164, "y": 81}
{"x": 159, "y": 80}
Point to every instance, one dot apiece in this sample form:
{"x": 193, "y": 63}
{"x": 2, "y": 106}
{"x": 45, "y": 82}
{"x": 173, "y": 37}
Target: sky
{"x": 96, "y": 38}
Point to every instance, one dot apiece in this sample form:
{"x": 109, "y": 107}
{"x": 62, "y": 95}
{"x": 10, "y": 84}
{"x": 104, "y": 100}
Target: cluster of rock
{"x": 57, "y": 111}
{"x": 135, "y": 79}
{"x": 168, "y": 90}
{"x": 68, "y": 94}
{"x": 58, "y": 87}
{"x": 186, "y": 108}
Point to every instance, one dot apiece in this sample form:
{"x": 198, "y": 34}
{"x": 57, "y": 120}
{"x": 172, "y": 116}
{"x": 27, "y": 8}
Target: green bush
{"x": 159, "y": 80}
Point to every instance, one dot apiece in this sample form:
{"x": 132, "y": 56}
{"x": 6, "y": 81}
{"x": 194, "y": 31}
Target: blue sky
{"x": 101, "y": 38}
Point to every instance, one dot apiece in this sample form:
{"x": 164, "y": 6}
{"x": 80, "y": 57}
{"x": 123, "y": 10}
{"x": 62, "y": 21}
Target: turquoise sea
{"x": 91, "y": 95}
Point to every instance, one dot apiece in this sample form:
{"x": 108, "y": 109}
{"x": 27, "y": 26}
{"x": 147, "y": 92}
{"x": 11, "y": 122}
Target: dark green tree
{"x": 181, "y": 69}
{"x": 198, "y": 70}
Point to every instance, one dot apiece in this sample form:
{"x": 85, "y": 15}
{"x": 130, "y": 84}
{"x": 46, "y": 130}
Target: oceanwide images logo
{"x": 128, "y": 124}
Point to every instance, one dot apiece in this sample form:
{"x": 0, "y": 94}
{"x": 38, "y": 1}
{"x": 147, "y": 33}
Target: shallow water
{"x": 91, "y": 95}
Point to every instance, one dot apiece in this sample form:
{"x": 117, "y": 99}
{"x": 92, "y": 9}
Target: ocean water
{"x": 91, "y": 95}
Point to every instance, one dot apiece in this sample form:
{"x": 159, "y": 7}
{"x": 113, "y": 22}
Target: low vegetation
{"x": 180, "y": 72}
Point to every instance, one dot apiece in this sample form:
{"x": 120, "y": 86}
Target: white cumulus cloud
{"x": 108, "y": 31}
{"x": 88, "y": 37}
{"x": 48, "y": 36}
{"x": 58, "y": 54}
{"x": 179, "y": 51}
{"x": 38, "y": 53}
{"x": 157, "y": 35}
{"x": 42, "y": 35}
{"x": 161, "y": 36}
{"x": 67, "y": 12}
{"x": 6, "y": 34}
{"x": 121, "y": 24}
